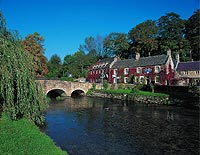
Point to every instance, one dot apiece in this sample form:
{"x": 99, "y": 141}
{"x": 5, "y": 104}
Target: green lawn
{"x": 139, "y": 92}
{"x": 22, "y": 137}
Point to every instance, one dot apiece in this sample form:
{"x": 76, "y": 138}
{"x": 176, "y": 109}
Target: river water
{"x": 97, "y": 126}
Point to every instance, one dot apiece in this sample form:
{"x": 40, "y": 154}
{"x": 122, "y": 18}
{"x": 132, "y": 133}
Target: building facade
{"x": 101, "y": 70}
{"x": 188, "y": 73}
{"x": 157, "y": 69}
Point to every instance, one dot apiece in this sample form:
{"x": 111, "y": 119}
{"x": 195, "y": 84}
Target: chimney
{"x": 169, "y": 52}
{"x": 137, "y": 56}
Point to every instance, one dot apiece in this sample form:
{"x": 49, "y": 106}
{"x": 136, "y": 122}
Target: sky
{"x": 64, "y": 24}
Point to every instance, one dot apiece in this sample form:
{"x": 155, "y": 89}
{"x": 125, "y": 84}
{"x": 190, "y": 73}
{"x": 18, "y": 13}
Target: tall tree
{"x": 116, "y": 44}
{"x": 33, "y": 43}
{"x": 54, "y": 67}
{"x": 192, "y": 31}
{"x": 171, "y": 35}
{"x": 93, "y": 46}
{"x": 19, "y": 94}
{"x": 143, "y": 38}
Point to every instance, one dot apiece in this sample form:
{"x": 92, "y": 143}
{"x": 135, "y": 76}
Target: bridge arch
{"x": 55, "y": 92}
{"x": 78, "y": 92}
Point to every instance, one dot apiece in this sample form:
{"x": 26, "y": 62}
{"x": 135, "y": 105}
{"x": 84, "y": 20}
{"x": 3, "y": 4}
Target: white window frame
{"x": 139, "y": 70}
{"x": 125, "y": 79}
{"x": 197, "y": 72}
{"x": 185, "y": 72}
{"x": 156, "y": 79}
{"x": 141, "y": 79}
{"x": 157, "y": 69}
{"x": 115, "y": 71}
{"x": 114, "y": 80}
{"x": 126, "y": 70}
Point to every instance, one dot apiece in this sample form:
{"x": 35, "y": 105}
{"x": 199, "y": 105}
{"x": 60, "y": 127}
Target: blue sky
{"x": 65, "y": 24}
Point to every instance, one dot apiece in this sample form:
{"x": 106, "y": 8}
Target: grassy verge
{"x": 22, "y": 137}
{"x": 139, "y": 92}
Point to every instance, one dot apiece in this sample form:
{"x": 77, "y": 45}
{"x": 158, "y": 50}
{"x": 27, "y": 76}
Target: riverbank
{"x": 129, "y": 95}
{"x": 22, "y": 137}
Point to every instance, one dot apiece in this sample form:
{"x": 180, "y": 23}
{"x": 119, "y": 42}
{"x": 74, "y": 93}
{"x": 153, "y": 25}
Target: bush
{"x": 105, "y": 85}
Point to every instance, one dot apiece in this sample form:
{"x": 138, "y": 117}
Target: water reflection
{"x": 96, "y": 126}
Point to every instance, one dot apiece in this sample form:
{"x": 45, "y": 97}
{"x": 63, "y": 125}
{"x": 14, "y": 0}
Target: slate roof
{"x": 143, "y": 61}
{"x": 188, "y": 66}
{"x": 106, "y": 62}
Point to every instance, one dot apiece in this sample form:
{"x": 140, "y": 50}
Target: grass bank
{"x": 22, "y": 137}
{"x": 139, "y": 92}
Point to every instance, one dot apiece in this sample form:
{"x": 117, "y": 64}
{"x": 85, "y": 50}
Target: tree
{"x": 143, "y": 37}
{"x": 93, "y": 46}
{"x": 171, "y": 36}
{"x": 116, "y": 44}
{"x": 33, "y": 43}
{"x": 54, "y": 67}
{"x": 192, "y": 33}
{"x": 20, "y": 95}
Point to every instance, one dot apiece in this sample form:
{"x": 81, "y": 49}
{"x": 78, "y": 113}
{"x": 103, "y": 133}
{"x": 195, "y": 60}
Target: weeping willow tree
{"x": 20, "y": 96}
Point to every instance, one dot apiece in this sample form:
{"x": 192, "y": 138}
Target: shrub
{"x": 105, "y": 85}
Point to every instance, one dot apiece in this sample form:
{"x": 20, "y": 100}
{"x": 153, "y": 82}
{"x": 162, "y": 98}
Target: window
{"x": 125, "y": 79}
{"x": 115, "y": 71}
{"x": 197, "y": 72}
{"x": 185, "y": 72}
{"x": 115, "y": 80}
{"x": 126, "y": 71}
{"x": 139, "y": 70}
{"x": 157, "y": 69}
{"x": 157, "y": 79}
{"x": 136, "y": 79}
{"x": 141, "y": 79}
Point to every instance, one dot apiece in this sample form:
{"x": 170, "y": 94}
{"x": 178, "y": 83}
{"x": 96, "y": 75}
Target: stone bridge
{"x": 59, "y": 87}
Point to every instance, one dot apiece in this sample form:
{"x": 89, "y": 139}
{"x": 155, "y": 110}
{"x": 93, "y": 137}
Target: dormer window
{"x": 126, "y": 71}
{"x": 157, "y": 69}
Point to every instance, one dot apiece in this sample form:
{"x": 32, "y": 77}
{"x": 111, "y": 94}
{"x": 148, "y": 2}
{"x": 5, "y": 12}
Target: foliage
{"x": 33, "y": 43}
{"x": 116, "y": 44}
{"x": 138, "y": 92}
{"x": 105, "y": 84}
{"x": 21, "y": 97}
{"x": 144, "y": 37}
{"x": 93, "y": 86}
{"x": 120, "y": 86}
{"x": 137, "y": 88}
{"x": 67, "y": 79}
{"x": 22, "y": 137}
{"x": 54, "y": 67}
{"x": 192, "y": 32}
{"x": 171, "y": 35}
{"x": 77, "y": 64}
{"x": 93, "y": 46}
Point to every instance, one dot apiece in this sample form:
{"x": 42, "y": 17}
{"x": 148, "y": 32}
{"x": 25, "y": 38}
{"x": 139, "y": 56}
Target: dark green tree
{"x": 143, "y": 38}
{"x": 116, "y": 44}
{"x": 54, "y": 67}
{"x": 192, "y": 33}
{"x": 20, "y": 96}
{"x": 171, "y": 35}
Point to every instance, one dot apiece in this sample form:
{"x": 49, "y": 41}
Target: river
{"x": 97, "y": 126}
